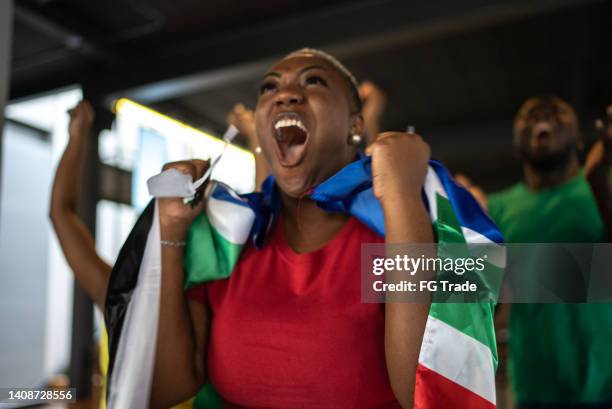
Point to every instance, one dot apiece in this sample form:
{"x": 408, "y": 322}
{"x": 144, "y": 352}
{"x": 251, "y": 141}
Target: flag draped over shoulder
{"x": 458, "y": 357}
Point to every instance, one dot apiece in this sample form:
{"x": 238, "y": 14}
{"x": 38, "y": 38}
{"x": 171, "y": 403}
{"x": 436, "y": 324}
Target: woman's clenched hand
{"x": 175, "y": 217}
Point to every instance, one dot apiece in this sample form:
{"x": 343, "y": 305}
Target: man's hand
{"x": 399, "y": 166}
{"x": 175, "y": 217}
{"x": 597, "y": 170}
{"x": 599, "y": 159}
{"x": 81, "y": 119}
{"x": 244, "y": 119}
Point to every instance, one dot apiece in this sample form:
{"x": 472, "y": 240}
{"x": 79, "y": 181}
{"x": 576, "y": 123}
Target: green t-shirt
{"x": 560, "y": 353}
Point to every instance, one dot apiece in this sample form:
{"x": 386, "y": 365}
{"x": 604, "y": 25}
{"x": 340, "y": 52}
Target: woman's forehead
{"x": 295, "y": 64}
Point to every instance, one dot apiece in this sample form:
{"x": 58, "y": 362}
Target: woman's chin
{"x": 293, "y": 191}
{"x": 295, "y": 186}
{"x": 299, "y": 180}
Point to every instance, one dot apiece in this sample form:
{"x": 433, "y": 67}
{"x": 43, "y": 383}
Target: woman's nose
{"x": 288, "y": 96}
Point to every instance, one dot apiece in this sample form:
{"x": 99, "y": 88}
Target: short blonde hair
{"x": 334, "y": 62}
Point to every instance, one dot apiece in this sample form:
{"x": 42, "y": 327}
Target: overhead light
{"x": 161, "y": 122}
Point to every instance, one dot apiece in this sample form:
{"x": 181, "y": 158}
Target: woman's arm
{"x": 91, "y": 272}
{"x": 399, "y": 165}
{"x": 180, "y": 366}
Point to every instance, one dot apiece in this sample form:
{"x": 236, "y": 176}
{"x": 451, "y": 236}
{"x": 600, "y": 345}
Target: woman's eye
{"x": 315, "y": 80}
{"x": 266, "y": 87}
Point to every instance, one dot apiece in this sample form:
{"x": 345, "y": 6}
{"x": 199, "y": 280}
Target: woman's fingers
{"x": 175, "y": 215}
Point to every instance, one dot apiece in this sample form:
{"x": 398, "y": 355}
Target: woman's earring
{"x": 355, "y": 139}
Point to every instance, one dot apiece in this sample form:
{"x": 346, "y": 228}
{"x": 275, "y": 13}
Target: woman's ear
{"x": 357, "y": 124}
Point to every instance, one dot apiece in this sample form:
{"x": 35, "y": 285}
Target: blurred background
{"x": 162, "y": 76}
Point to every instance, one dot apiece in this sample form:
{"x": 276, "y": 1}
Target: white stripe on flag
{"x": 458, "y": 357}
{"x": 231, "y": 220}
{"x": 133, "y": 371}
{"x": 433, "y": 186}
{"x": 496, "y": 253}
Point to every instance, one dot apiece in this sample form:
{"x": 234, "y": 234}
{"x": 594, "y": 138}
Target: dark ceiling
{"x": 457, "y": 70}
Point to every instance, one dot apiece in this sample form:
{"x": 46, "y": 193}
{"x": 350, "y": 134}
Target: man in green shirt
{"x": 561, "y": 354}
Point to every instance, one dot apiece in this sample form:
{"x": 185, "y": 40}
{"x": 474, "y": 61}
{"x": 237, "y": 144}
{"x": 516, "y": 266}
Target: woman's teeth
{"x": 290, "y": 140}
{"x": 283, "y": 123}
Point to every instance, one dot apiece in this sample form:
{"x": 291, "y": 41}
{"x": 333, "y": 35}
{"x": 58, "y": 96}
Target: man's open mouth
{"x": 542, "y": 134}
{"x": 291, "y": 136}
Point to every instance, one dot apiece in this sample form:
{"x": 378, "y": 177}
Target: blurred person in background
{"x": 78, "y": 246}
{"x": 91, "y": 272}
{"x": 560, "y": 355}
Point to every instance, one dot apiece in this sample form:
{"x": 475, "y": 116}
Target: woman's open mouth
{"x": 291, "y": 137}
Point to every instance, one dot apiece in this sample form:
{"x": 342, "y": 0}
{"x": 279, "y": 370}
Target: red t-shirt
{"x": 289, "y": 330}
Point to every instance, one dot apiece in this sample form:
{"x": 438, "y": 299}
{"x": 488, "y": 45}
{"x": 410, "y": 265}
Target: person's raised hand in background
{"x": 77, "y": 243}
{"x": 81, "y": 120}
{"x": 597, "y": 169}
{"x": 599, "y": 158}
{"x": 374, "y": 101}
{"x": 243, "y": 119}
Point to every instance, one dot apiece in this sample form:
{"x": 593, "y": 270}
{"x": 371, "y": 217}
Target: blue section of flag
{"x": 468, "y": 211}
{"x": 350, "y": 191}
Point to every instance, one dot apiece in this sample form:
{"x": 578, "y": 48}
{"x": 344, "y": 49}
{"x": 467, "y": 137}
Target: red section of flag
{"x": 434, "y": 391}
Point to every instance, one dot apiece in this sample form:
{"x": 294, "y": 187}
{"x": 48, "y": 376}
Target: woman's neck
{"x": 307, "y": 226}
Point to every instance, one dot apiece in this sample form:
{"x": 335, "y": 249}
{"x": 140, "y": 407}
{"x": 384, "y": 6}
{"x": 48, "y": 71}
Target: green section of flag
{"x": 208, "y": 398}
{"x": 208, "y": 255}
{"x": 447, "y": 227}
{"x": 473, "y": 319}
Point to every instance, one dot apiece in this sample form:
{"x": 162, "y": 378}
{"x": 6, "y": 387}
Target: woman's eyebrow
{"x": 310, "y": 67}
{"x": 272, "y": 74}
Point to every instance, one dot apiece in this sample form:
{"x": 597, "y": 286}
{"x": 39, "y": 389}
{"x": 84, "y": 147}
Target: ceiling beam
{"x": 346, "y": 33}
{"x": 72, "y": 42}
{"x": 346, "y": 30}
